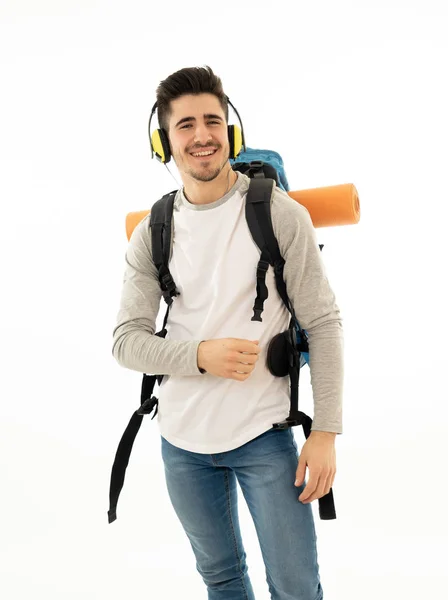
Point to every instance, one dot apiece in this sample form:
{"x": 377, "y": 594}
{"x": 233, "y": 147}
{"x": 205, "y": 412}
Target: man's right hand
{"x": 230, "y": 358}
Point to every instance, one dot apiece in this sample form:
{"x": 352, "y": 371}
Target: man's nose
{"x": 202, "y": 134}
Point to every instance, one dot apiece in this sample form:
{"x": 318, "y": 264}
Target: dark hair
{"x": 191, "y": 80}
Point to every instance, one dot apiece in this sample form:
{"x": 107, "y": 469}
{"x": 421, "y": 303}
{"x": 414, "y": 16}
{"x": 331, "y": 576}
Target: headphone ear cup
{"x": 161, "y": 146}
{"x": 235, "y": 140}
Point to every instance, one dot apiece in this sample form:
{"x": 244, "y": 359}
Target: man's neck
{"x": 206, "y": 192}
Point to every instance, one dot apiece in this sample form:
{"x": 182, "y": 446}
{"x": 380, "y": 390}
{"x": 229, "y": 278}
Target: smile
{"x": 204, "y": 153}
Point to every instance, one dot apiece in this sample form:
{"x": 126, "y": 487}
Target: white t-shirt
{"x": 213, "y": 263}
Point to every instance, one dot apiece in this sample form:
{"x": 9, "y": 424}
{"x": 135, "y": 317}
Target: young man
{"x": 218, "y": 400}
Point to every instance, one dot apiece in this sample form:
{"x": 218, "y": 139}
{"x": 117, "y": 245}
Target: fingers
{"x": 317, "y": 487}
{"x": 248, "y": 359}
{"x": 245, "y": 361}
{"x": 248, "y": 347}
{"x": 310, "y": 488}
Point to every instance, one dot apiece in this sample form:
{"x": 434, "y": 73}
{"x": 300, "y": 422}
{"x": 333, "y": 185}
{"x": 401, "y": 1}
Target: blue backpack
{"x": 269, "y": 157}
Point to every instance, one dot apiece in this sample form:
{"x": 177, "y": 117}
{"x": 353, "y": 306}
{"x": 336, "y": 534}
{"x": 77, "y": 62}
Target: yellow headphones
{"x": 160, "y": 145}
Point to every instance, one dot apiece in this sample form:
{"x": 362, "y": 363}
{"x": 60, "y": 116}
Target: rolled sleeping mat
{"x": 328, "y": 207}
{"x": 133, "y": 219}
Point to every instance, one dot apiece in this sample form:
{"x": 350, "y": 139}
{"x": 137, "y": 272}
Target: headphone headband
{"x": 153, "y": 110}
{"x": 239, "y": 119}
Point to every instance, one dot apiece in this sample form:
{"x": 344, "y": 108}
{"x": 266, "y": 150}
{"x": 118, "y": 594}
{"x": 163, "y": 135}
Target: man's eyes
{"x": 210, "y": 122}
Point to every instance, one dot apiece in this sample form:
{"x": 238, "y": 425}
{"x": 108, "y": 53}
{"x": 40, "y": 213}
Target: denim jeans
{"x": 202, "y": 489}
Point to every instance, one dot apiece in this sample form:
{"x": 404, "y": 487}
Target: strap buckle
{"x": 170, "y": 288}
{"x": 256, "y": 164}
{"x": 257, "y": 314}
{"x": 168, "y": 282}
{"x": 262, "y": 267}
{"x": 279, "y": 267}
{"x": 147, "y": 406}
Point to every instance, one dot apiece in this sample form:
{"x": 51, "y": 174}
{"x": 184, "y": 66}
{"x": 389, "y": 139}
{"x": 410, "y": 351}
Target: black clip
{"x": 262, "y": 267}
{"x": 167, "y": 280}
{"x": 279, "y": 266}
{"x": 257, "y": 315}
{"x": 147, "y": 406}
{"x": 256, "y": 164}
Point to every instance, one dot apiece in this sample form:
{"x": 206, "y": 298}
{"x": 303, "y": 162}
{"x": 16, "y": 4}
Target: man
{"x": 218, "y": 400}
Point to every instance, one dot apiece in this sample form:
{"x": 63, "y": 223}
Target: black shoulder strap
{"x": 258, "y": 216}
{"x": 259, "y": 220}
{"x": 160, "y": 225}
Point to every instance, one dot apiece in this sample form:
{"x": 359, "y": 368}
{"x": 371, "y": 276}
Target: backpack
{"x": 287, "y": 351}
{"x": 273, "y": 164}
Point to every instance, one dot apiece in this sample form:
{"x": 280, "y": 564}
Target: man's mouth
{"x": 204, "y": 154}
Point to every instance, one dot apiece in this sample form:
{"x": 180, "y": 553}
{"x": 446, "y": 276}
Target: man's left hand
{"x": 319, "y": 454}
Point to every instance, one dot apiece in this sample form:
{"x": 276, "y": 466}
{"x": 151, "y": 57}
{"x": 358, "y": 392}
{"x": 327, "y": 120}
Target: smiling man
{"x": 219, "y": 400}
{"x": 199, "y": 144}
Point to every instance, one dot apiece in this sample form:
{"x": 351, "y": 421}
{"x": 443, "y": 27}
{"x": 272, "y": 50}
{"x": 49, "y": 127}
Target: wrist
{"x": 324, "y": 434}
{"x": 199, "y": 359}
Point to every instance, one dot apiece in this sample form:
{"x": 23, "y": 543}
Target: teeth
{"x": 204, "y": 153}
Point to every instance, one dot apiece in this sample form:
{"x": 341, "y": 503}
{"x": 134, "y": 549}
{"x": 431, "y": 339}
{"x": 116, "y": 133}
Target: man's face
{"x": 197, "y": 123}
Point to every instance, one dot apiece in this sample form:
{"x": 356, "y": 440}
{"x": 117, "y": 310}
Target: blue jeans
{"x": 203, "y": 492}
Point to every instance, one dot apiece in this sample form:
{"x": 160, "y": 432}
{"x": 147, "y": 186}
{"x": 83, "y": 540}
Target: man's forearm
{"x": 138, "y": 350}
{"x": 327, "y": 376}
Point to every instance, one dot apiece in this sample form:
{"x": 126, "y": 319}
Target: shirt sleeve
{"x": 135, "y": 345}
{"x": 315, "y": 306}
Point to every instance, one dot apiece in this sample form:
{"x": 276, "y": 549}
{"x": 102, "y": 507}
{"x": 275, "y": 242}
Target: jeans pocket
{"x": 286, "y": 440}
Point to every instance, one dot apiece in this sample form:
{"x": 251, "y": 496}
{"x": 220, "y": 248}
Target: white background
{"x": 347, "y": 92}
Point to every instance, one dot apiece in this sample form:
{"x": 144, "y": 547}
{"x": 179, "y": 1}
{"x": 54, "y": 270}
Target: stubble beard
{"x": 206, "y": 174}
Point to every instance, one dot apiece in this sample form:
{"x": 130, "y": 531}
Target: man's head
{"x": 192, "y": 109}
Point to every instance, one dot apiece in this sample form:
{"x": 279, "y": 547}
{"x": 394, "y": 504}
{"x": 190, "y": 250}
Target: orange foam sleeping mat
{"x": 329, "y": 206}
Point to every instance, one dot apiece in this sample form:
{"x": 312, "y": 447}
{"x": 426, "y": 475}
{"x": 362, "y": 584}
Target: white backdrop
{"x": 347, "y": 92}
